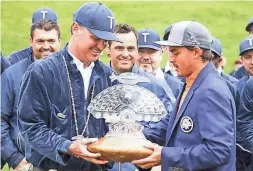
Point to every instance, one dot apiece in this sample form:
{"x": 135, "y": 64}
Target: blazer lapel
{"x": 176, "y": 115}
{"x": 173, "y": 114}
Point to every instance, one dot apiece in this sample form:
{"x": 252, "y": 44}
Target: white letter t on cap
{"x": 250, "y": 41}
{"x": 145, "y": 36}
{"x": 111, "y": 21}
{"x": 43, "y": 14}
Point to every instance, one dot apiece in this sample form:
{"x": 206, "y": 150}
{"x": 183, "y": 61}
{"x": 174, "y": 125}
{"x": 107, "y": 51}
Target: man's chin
{"x": 45, "y": 55}
{"x": 126, "y": 68}
{"x": 145, "y": 68}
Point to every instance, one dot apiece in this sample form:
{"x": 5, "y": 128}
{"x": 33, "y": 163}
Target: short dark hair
{"x": 124, "y": 28}
{"x": 237, "y": 62}
{"x": 46, "y": 25}
{"x": 250, "y": 27}
{"x": 215, "y": 55}
{"x": 206, "y": 55}
{"x": 243, "y": 53}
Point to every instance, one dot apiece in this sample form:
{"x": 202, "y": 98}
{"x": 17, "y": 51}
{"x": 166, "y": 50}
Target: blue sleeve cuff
{"x": 16, "y": 159}
{"x": 64, "y": 148}
{"x": 63, "y": 157}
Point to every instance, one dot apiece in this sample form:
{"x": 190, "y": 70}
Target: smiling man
{"x": 45, "y": 39}
{"x": 246, "y": 53}
{"x": 123, "y": 55}
{"x": 201, "y": 129}
{"x": 42, "y": 44}
{"x": 56, "y": 91}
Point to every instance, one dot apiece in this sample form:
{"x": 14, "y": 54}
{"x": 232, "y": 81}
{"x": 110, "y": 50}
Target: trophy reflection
{"x": 124, "y": 106}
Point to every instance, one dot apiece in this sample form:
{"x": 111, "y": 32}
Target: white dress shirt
{"x": 159, "y": 73}
{"x": 85, "y": 72}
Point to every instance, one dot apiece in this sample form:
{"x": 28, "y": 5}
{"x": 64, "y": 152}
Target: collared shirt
{"x": 159, "y": 73}
{"x": 189, "y": 82}
{"x": 85, "y": 72}
{"x": 219, "y": 69}
{"x": 169, "y": 68}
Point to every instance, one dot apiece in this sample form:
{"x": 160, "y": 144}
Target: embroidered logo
{"x": 186, "y": 124}
{"x": 145, "y": 35}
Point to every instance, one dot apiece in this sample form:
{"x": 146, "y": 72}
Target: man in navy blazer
{"x": 216, "y": 49}
{"x": 200, "y": 132}
{"x": 244, "y": 125}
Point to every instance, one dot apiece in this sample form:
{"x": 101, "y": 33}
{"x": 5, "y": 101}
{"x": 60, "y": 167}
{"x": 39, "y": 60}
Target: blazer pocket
{"x": 60, "y": 119}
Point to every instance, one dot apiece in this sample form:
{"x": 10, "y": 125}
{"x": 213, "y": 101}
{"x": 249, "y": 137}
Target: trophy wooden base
{"x": 120, "y": 149}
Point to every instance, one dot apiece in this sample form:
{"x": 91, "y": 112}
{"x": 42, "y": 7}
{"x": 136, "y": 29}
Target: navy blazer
{"x": 4, "y": 63}
{"x": 245, "y": 117}
{"x": 201, "y": 134}
{"x": 240, "y": 72}
{"x": 44, "y": 93}
{"x": 19, "y": 55}
{"x": 12, "y": 146}
{"x": 229, "y": 78}
{"x": 175, "y": 84}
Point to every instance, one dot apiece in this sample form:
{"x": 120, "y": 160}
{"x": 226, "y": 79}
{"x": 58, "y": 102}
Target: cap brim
{"x": 105, "y": 35}
{"x": 149, "y": 46}
{"x": 214, "y": 51}
{"x": 167, "y": 43}
{"x": 244, "y": 50}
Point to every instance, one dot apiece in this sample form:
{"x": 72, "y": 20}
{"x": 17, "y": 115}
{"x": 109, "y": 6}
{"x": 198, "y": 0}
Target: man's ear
{"x": 31, "y": 41}
{"x": 74, "y": 28}
{"x": 240, "y": 58}
{"x": 197, "y": 52}
{"x": 59, "y": 42}
{"x": 108, "y": 51}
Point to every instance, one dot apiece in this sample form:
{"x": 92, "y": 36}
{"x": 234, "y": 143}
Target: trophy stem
{"x": 119, "y": 168}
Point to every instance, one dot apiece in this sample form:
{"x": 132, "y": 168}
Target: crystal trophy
{"x": 124, "y": 106}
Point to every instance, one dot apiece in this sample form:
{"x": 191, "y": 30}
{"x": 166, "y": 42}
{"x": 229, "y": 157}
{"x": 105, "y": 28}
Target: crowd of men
{"x": 46, "y": 89}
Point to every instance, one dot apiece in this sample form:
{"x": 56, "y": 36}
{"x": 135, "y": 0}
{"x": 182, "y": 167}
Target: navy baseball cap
{"x": 249, "y": 24}
{"x": 44, "y": 13}
{"x": 188, "y": 33}
{"x": 98, "y": 19}
{"x": 216, "y": 47}
{"x": 246, "y": 44}
{"x": 167, "y": 32}
{"x": 147, "y": 38}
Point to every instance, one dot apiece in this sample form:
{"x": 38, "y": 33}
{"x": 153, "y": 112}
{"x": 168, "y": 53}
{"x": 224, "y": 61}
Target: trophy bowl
{"x": 121, "y": 149}
{"x": 127, "y": 108}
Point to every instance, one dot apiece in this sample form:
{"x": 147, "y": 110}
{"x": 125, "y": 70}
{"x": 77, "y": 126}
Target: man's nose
{"x": 125, "y": 53}
{"x": 101, "y": 44}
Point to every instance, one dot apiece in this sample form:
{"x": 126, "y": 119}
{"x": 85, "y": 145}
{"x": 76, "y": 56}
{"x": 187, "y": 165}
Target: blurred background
{"x": 225, "y": 20}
